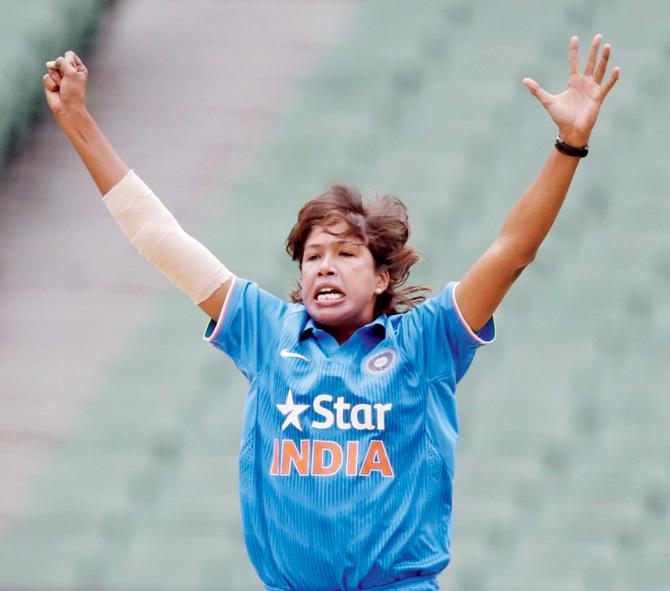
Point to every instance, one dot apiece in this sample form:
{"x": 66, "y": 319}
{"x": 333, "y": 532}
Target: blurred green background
{"x": 563, "y": 467}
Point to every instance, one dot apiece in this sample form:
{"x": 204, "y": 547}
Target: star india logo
{"x": 320, "y": 457}
{"x": 292, "y": 412}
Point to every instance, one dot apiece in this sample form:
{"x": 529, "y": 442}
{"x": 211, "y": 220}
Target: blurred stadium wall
{"x": 119, "y": 427}
{"x": 28, "y": 32}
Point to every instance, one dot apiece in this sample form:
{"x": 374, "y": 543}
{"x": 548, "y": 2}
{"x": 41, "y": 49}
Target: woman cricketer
{"x": 350, "y": 425}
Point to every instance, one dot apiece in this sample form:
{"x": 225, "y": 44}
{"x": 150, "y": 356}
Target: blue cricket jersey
{"x": 347, "y": 451}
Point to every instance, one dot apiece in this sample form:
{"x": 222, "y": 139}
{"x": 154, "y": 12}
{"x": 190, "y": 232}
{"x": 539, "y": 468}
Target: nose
{"x": 326, "y": 267}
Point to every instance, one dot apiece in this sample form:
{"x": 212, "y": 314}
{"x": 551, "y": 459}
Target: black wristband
{"x": 568, "y": 150}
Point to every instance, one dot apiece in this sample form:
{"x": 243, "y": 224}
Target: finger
{"x": 70, "y": 60}
{"x": 78, "y": 62}
{"x": 573, "y": 56}
{"x": 593, "y": 53}
{"x": 616, "y": 73}
{"x": 55, "y": 74}
{"x": 537, "y": 91}
{"x": 65, "y": 65}
{"x": 49, "y": 84}
{"x": 602, "y": 66}
{"x": 56, "y": 78}
{"x": 75, "y": 61}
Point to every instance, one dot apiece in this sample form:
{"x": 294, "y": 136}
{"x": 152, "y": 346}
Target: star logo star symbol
{"x": 291, "y": 411}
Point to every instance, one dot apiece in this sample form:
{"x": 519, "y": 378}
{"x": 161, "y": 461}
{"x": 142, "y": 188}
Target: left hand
{"x": 576, "y": 109}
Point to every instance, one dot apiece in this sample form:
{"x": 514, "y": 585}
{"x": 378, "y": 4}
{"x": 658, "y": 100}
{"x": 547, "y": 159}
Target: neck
{"x": 340, "y": 334}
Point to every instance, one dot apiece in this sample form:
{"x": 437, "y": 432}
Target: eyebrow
{"x": 336, "y": 242}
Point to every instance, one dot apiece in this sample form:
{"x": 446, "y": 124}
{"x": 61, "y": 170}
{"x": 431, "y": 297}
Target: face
{"x": 339, "y": 281}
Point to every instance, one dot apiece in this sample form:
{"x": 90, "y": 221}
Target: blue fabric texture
{"x": 347, "y": 451}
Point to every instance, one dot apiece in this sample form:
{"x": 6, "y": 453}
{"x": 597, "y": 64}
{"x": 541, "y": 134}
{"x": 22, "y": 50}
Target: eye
{"x": 311, "y": 257}
{"x": 346, "y": 253}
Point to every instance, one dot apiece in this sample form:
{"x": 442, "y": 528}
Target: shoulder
{"x": 430, "y": 308}
{"x": 248, "y": 308}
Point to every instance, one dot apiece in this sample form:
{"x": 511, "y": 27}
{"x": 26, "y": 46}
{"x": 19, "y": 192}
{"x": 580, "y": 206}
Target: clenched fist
{"x": 65, "y": 84}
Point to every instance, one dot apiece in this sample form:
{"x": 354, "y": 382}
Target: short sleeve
{"x": 248, "y": 326}
{"x": 437, "y": 337}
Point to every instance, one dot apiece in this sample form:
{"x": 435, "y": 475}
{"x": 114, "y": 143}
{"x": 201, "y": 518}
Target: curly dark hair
{"x": 382, "y": 225}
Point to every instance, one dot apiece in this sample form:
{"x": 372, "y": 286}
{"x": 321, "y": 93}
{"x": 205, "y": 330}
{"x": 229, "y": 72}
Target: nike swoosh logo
{"x": 287, "y": 353}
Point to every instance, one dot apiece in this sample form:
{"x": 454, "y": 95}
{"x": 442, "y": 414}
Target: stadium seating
{"x": 30, "y": 34}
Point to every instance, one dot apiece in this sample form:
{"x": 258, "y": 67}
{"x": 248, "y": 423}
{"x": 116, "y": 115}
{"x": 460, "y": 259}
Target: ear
{"x": 383, "y": 280}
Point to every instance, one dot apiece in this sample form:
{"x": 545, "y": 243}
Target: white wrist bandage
{"x": 157, "y": 236}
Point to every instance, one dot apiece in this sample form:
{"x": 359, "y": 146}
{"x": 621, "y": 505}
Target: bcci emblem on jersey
{"x": 380, "y": 362}
{"x": 320, "y": 457}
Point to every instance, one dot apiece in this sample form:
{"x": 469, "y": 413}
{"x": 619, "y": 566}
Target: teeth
{"x": 329, "y": 296}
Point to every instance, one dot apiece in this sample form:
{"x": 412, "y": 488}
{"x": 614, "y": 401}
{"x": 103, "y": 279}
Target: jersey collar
{"x": 376, "y": 327}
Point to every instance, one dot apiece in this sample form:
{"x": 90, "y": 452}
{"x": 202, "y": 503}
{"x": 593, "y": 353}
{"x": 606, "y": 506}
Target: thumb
{"x": 537, "y": 91}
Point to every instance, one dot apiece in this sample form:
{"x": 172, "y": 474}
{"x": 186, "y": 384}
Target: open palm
{"x": 575, "y": 110}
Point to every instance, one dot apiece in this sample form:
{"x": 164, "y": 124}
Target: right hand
{"x": 65, "y": 84}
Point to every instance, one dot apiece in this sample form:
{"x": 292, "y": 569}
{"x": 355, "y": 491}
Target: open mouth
{"x": 329, "y": 294}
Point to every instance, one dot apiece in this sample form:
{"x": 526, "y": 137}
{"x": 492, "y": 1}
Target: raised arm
{"x": 575, "y": 112}
{"x": 65, "y": 89}
{"x": 144, "y": 219}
